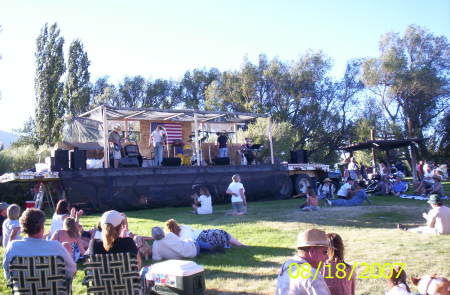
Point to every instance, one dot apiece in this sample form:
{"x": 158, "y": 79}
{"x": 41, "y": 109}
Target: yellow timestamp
{"x": 344, "y": 271}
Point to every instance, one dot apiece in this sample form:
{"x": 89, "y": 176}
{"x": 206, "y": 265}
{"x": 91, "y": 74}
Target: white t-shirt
{"x": 352, "y": 166}
{"x": 57, "y": 223}
{"x": 157, "y": 136}
{"x": 429, "y": 174}
{"x": 173, "y": 247}
{"x": 344, "y": 189}
{"x": 8, "y": 226}
{"x": 206, "y": 205}
{"x": 188, "y": 233}
{"x": 236, "y": 187}
{"x": 441, "y": 215}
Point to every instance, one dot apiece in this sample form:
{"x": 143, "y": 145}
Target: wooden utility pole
{"x": 372, "y": 137}
{"x": 412, "y": 152}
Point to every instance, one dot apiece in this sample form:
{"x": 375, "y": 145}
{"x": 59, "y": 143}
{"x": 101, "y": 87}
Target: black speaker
{"x": 60, "y": 160}
{"x": 171, "y": 162}
{"x": 299, "y": 156}
{"x": 222, "y": 161}
{"x": 78, "y": 159}
{"x": 128, "y": 162}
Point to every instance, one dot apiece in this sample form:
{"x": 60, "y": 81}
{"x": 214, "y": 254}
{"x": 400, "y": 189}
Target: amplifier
{"x": 129, "y": 162}
{"x": 171, "y": 162}
{"x": 222, "y": 161}
{"x": 78, "y": 159}
{"x": 59, "y": 160}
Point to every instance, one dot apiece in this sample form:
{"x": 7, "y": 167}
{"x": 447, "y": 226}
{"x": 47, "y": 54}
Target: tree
{"x": 194, "y": 85}
{"x": 103, "y": 93}
{"x": 132, "y": 92}
{"x": 411, "y": 78}
{"x": 49, "y": 69}
{"x": 77, "y": 88}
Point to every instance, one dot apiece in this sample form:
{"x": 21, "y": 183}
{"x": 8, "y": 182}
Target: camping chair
{"x": 112, "y": 274}
{"x": 38, "y": 275}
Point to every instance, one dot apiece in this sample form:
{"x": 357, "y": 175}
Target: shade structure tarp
{"x": 385, "y": 144}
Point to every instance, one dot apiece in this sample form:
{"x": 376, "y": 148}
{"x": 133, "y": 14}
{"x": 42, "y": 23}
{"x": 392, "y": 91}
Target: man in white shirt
{"x": 157, "y": 138}
{"x": 300, "y": 275}
{"x": 32, "y": 223}
{"x": 438, "y": 218}
{"x": 346, "y": 189}
{"x": 170, "y": 246}
{"x": 237, "y": 192}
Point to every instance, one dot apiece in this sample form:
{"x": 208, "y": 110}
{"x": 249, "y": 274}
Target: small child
{"x": 312, "y": 200}
{"x": 396, "y": 284}
{"x": 11, "y": 226}
{"x": 202, "y": 204}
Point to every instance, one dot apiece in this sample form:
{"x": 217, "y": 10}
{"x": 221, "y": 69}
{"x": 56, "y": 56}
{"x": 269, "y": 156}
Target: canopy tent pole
{"x": 270, "y": 140}
{"x": 105, "y": 138}
{"x": 412, "y": 152}
{"x": 126, "y": 129}
{"x": 197, "y": 148}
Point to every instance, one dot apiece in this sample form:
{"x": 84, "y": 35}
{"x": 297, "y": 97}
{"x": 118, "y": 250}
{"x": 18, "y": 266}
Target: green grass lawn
{"x": 271, "y": 227}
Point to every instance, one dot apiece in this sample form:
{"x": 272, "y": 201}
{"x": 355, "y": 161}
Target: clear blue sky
{"x": 163, "y": 39}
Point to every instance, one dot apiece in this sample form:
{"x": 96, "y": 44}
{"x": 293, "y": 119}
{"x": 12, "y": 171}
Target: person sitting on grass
{"x": 70, "y": 238}
{"x": 396, "y": 284}
{"x": 237, "y": 192}
{"x": 343, "y": 285}
{"x": 427, "y": 181}
{"x": 202, "y": 204}
{"x": 438, "y": 219}
{"x": 63, "y": 211}
{"x": 312, "y": 249}
{"x": 399, "y": 187}
{"x": 312, "y": 201}
{"x": 170, "y": 246}
{"x": 359, "y": 196}
{"x": 11, "y": 226}
{"x": 345, "y": 192}
{"x": 32, "y": 223}
{"x": 3, "y": 216}
{"x": 436, "y": 187}
{"x": 326, "y": 189}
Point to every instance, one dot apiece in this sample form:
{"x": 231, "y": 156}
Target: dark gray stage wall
{"x": 138, "y": 188}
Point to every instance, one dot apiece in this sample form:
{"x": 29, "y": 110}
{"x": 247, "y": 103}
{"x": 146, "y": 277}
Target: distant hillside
{"x": 7, "y": 138}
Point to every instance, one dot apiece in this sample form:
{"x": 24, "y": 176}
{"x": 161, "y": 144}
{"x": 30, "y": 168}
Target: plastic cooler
{"x": 30, "y": 204}
{"x": 177, "y": 277}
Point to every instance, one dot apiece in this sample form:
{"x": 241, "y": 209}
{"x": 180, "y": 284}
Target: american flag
{"x": 174, "y": 130}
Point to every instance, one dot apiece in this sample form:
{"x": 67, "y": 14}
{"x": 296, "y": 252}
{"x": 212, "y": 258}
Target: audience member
{"x": 432, "y": 285}
{"x": 438, "y": 219}
{"x": 312, "y": 201}
{"x": 420, "y": 170}
{"x": 32, "y": 224}
{"x": 112, "y": 224}
{"x": 384, "y": 186}
{"x": 209, "y": 239}
{"x": 427, "y": 181}
{"x": 312, "y": 246}
{"x": 338, "y": 285}
{"x": 202, "y": 204}
{"x": 63, "y": 211}
{"x": 70, "y": 238}
{"x": 399, "y": 187}
{"x": 399, "y": 166}
{"x": 11, "y": 226}
{"x": 170, "y": 246}
{"x": 353, "y": 168}
{"x": 3, "y": 216}
{"x": 237, "y": 192}
{"x": 359, "y": 195}
{"x": 345, "y": 192}
{"x": 326, "y": 189}
{"x": 396, "y": 284}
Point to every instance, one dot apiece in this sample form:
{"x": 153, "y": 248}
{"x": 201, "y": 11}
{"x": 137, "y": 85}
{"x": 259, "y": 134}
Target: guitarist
{"x": 158, "y": 138}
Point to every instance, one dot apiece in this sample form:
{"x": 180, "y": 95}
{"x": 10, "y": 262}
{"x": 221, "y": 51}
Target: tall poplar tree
{"x": 48, "y": 86}
{"x": 77, "y": 88}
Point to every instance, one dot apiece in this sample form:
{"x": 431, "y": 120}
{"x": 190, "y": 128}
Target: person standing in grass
{"x": 312, "y": 250}
{"x": 338, "y": 285}
{"x": 11, "y": 226}
{"x": 237, "y": 192}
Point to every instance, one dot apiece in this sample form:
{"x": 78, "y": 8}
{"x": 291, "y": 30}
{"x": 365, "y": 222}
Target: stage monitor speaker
{"x": 129, "y": 162}
{"x": 222, "y": 161}
{"x": 78, "y": 159}
{"x": 299, "y": 156}
{"x": 172, "y": 162}
{"x": 60, "y": 160}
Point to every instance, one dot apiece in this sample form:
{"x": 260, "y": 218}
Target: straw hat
{"x": 117, "y": 127}
{"x": 327, "y": 180}
{"x": 312, "y": 238}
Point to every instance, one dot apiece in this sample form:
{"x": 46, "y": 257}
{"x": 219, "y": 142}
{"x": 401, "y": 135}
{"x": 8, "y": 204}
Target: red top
{"x": 338, "y": 286}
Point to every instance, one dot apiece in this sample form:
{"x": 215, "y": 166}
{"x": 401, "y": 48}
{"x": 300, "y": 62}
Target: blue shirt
{"x": 28, "y": 247}
{"x": 400, "y": 187}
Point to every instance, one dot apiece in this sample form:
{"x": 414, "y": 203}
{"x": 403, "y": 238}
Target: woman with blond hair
{"x": 113, "y": 224}
{"x": 335, "y": 266}
{"x": 70, "y": 238}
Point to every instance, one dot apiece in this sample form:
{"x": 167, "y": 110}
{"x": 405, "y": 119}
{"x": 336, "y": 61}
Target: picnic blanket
{"x": 419, "y": 197}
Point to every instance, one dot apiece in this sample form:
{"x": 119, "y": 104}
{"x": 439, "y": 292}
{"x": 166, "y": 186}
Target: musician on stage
{"x": 247, "y": 151}
{"x": 158, "y": 138}
{"x": 222, "y": 140}
{"x": 116, "y": 139}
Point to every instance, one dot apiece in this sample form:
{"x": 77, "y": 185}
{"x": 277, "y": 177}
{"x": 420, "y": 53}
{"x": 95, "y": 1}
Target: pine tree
{"x": 48, "y": 87}
{"x": 77, "y": 88}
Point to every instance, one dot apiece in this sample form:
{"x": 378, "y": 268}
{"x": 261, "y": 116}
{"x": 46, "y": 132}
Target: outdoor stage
{"x": 139, "y": 188}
